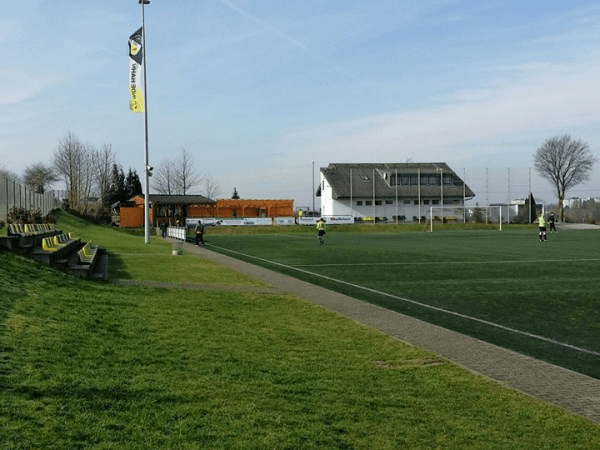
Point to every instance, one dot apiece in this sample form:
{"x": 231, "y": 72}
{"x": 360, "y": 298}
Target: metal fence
{"x": 15, "y": 195}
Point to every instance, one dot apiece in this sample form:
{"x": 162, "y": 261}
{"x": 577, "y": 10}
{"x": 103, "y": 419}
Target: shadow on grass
{"x": 116, "y": 267}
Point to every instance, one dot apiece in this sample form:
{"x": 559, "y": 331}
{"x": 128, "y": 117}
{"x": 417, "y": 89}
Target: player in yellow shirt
{"x": 321, "y": 230}
{"x": 542, "y": 228}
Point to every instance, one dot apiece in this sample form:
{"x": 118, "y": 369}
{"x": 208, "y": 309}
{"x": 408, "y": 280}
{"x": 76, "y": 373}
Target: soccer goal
{"x": 466, "y": 214}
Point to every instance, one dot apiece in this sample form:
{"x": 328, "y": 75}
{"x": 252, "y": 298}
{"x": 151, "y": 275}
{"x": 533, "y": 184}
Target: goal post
{"x": 465, "y": 214}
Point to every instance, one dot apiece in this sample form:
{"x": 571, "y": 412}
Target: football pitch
{"x": 537, "y": 298}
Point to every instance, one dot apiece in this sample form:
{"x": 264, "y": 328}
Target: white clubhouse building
{"x": 402, "y": 191}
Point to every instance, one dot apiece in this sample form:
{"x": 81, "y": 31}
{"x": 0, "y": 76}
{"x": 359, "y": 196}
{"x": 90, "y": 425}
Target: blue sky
{"x": 258, "y": 90}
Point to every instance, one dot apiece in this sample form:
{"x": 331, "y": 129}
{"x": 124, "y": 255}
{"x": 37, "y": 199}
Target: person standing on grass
{"x": 321, "y": 230}
{"x": 199, "y": 230}
{"x": 542, "y": 228}
{"x": 551, "y": 222}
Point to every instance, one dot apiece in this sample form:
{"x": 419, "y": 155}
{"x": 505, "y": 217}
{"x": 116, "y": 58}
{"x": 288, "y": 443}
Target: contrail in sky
{"x": 269, "y": 28}
{"x": 303, "y": 47}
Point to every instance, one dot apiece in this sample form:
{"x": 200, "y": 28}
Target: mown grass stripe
{"x": 414, "y": 302}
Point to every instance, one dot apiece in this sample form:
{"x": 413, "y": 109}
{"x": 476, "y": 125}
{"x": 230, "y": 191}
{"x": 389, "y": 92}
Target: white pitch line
{"x": 423, "y": 263}
{"x": 435, "y": 308}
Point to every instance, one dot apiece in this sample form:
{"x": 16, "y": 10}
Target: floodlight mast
{"x": 146, "y": 161}
{"x": 313, "y": 189}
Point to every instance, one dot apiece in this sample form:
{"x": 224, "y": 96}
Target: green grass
{"x": 97, "y": 365}
{"x": 549, "y": 289}
{"x": 131, "y": 259}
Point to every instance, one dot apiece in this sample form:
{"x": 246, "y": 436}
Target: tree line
{"x": 94, "y": 180}
{"x": 89, "y": 172}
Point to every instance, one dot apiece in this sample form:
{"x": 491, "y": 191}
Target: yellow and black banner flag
{"x": 136, "y": 59}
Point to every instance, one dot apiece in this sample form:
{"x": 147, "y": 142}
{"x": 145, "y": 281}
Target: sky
{"x": 262, "y": 91}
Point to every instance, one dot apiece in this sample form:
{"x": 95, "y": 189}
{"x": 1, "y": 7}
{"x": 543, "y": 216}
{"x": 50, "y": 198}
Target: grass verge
{"x": 94, "y": 365}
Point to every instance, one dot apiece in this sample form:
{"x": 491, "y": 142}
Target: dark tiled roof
{"x": 338, "y": 177}
{"x": 180, "y": 199}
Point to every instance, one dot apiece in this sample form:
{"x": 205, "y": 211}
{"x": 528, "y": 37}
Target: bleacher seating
{"x": 56, "y": 249}
{"x": 85, "y": 261}
{"x": 25, "y": 237}
{"x": 46, "y": 244}
{"x": 87, "y": 253}
{"x": 30, "y": 229}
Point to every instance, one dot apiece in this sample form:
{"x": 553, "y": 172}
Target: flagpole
{"x": 147, "y": 168}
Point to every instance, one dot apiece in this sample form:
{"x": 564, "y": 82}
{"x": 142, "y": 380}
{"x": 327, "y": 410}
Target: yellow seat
{"x": 48, "y": 245}
{"x": 87, "y": 253}
{"x": 58, "y": 241}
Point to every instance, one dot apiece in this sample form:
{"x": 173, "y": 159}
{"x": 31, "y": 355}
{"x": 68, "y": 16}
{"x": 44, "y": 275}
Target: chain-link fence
{"x": 15, "y": 195}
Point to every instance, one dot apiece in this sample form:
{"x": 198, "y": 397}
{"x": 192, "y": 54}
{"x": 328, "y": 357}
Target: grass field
{"x": 540, "y": 299}
{"x": 87, "y": 365}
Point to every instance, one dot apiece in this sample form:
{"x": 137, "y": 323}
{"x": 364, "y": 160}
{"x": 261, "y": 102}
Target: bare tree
{"x": 67, "y": 164}
{"x": 73, "y": 162}
{"x": 564, "y": 163}
{"x": 178, "y": 175}
{"x": 10, "y": 176}
{"x": 186, "y": 175}
{"x": 211, "y": 188}
{"x": 103, "y": 161}
{"x": 38, "y": 176}
{"x": 163, "y": 181}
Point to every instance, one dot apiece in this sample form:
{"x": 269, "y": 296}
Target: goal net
{"x": 491, "y": 215}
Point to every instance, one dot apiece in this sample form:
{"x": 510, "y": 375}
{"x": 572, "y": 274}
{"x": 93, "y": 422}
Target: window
{"x": 389, "y": 202}
{"x": 358, "y": 202}
{"x": 416, "y": 202}
{"x": 368, "y": 202}
{"x": 377, "y": 202}
{"x": 447, "y": 180}
{"x": 405, "y": 179}
{"x": 433, "y": 180}
{"x": 435, "y": 202}
{"x": 407, "y": 202}
{"x": 414, "y": 180}
{"x": 426, "y": 202}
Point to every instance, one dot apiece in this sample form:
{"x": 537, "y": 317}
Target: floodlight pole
{"x": 464, "y": 195}
{"x": 313, "y": 188}
{"x": 441, "y": 171}
{"x": 146, "y": 161}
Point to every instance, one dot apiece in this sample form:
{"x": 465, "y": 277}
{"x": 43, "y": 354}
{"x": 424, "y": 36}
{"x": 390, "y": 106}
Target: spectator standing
{"x": 199, "y": 230}
{"x": 551, "y": 222}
